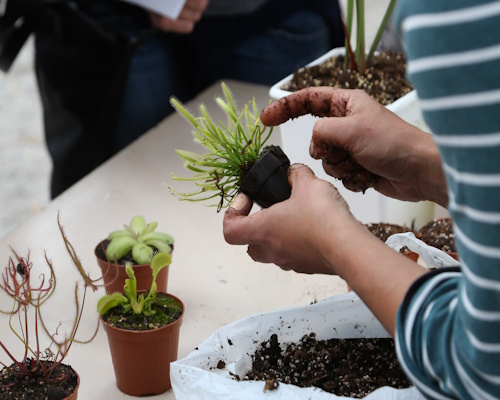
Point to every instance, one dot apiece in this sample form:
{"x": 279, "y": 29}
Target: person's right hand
{"x": 366, "y": 145}
{"x": 191, "y": 13}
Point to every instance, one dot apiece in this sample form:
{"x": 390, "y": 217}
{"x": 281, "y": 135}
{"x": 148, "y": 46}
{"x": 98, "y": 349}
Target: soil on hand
{"x": 346, "y": 367}
{"x": 166, "y": 311}
{"x": 384, "y": 78}
{"x": 61, "y": 384}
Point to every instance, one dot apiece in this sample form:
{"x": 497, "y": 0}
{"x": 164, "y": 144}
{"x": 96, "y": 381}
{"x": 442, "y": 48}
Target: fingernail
{"x": 239, "y": 201}
{"x": 312, "y": 149}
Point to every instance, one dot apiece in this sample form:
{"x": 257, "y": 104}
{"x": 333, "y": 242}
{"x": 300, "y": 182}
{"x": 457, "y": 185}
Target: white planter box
{"x": 345, "y": 316}
{"x": 371, "y": 206}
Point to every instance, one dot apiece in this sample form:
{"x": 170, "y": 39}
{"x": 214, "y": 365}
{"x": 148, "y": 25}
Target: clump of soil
{"x": 383, "y": 230}
{"x": 345, "y": 367}
{"x": 439, "y": 233}
{"x": 63, "y": 381}
{"x": 384, "y": 78}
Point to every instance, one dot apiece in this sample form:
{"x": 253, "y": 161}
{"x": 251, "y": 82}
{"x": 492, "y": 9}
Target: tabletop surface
{"x": 217, "y": 282}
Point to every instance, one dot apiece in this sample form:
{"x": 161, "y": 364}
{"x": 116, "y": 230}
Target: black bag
{"x": 17, "y": 21}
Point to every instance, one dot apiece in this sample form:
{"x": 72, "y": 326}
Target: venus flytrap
{"x": 130, "y": 300}
{"x": 233, "y": 148}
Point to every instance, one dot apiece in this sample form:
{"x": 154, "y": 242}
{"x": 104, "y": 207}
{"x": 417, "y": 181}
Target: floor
{"x": 24, "y": 162}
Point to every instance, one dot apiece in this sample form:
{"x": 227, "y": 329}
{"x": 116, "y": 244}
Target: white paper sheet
{"x": 168, "y": 8}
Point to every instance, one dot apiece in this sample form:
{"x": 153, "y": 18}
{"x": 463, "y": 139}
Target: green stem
{"x": 360, "y": 36}
{"x": 380, "y": 30}
{"x": 347, "y": 30}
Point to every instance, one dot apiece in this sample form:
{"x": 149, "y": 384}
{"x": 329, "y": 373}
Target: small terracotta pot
{"x": 114, "y": 276}
{"x": 74, "y": 395}
{"x": 267, "y": 181}
{"x": 141, "y": 359}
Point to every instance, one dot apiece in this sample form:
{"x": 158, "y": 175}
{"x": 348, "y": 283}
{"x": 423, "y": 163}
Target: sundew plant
{"x": 232, "y": 148}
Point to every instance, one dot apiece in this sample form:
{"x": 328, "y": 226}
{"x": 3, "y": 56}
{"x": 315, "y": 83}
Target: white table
{"x": 217, "y": 282}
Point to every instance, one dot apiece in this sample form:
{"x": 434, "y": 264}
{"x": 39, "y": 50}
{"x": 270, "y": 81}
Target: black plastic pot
{"x": 266, "y": 183}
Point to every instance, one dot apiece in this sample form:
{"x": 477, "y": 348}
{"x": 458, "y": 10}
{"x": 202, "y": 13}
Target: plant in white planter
{"x": 232, "y": 151}
{"x": 296, "y": 134}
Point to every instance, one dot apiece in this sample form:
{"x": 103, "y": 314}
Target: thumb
{"x": 240, "y": 205}
{"x": 297, "y": 173}
{"x": 235, "y": 224}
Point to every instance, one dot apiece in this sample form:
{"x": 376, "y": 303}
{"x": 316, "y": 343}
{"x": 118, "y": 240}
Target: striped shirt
{"x": 448, "y": 327}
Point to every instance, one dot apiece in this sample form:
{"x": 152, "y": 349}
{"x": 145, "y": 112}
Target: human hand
{"x": 189, "y": 16}
{"x": 366, "y": 145}
{"x": 296, "y": 233}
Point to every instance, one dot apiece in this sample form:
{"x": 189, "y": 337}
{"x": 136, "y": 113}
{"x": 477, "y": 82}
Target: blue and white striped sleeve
{"x": 448, "y": 327}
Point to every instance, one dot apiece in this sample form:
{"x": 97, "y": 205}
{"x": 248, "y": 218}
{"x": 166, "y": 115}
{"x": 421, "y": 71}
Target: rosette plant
{"x": 140, "y": 239}
{"x": 136, "y": 243}
{"x": 231, "y": 150}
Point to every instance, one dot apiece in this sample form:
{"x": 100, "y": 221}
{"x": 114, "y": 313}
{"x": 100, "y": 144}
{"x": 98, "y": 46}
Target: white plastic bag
{"x": 431, "y": 256}
{"x": 345, "y": 316}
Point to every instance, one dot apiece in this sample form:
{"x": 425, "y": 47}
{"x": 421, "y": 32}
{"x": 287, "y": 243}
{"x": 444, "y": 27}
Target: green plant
{"x": 358, "y": 59}
{"x": 233, "y": 148}
{"x": 131, "y": 302}
{"x": 26, "y": 319}
{"x": 140, "y": 239}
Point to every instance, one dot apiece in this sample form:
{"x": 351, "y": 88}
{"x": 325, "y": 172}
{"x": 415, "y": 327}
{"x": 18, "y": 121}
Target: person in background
{"x": 106, "y": 68}
{"x": 446, "y": 323}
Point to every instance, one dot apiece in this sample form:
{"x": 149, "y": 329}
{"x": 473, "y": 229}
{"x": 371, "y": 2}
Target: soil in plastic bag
{"x": 345, "y": 367}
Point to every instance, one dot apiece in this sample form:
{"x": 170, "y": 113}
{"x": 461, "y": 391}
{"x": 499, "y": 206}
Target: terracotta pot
{"x": 141, "y": 359}
{"x": 114, "y": 276}
{"x": 71, "y": 396}
{"x": 267, "y": 181}
{"x": 74, "y": 395}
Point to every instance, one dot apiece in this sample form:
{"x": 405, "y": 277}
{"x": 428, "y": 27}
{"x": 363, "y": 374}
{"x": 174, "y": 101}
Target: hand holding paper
{"x": 173, "y": 15}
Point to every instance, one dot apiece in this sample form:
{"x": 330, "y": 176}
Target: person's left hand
{"x": 296, "y": 233}
{"x": 185, "y": 23}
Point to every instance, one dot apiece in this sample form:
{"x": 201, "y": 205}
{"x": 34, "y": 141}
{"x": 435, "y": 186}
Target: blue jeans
{"x": 161, "y": 68}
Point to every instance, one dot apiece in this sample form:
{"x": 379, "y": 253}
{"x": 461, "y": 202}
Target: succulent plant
{"x": 141, "y": 239}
